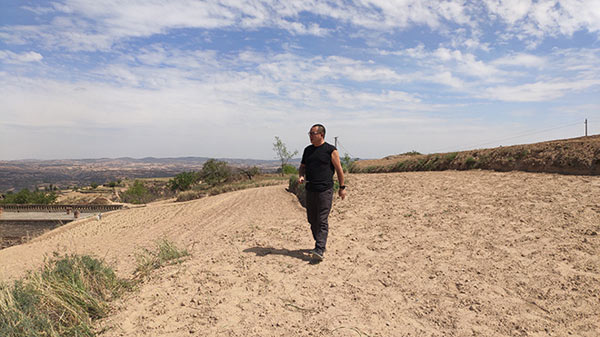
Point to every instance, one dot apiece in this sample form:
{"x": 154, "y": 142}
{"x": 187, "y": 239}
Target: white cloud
{"x": 85, "y": 25}
{"x": 521, "y": 60}
{"x": 538, "y": 91}
{"x": 446, "y": 78}
{"x": 11, "y": 57}
{"x": 531, "y": 21}
{"x": 178, "y": 84}
{"x": 510, "y": 11}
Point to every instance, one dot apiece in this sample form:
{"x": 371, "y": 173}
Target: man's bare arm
{"x": 337, "y": 165}
{"x": 301, "y": 173}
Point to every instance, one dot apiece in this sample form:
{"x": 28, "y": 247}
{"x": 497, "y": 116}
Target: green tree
{"x": 27, "y": 197}
{"x": 289, "y": 169}
{"x": 215, "y": 172}
{"x": 137, "y": 193}
{"x": 347, "y": 163}
{"x": 282, "y": 153}
{"x": 250, "y": 172}
{"x": 184, "y": 181}
{"x": 94, "y": 185}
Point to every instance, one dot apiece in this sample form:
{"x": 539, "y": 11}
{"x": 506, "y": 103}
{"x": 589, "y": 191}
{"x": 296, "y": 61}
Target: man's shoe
{"x": 316, "y": 255}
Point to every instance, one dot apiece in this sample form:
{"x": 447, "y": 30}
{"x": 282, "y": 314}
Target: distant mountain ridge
{"x": 31, "y": 173}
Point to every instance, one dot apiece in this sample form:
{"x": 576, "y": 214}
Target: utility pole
{"x": 337, "y": 137}
{"x": 585, "y": 127}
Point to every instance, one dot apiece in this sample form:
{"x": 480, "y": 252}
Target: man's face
{"x": 316, "y": 138}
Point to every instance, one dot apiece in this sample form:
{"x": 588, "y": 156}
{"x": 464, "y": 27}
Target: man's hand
{"x": 342, "y": 193}
{"x": 301, "y": 180}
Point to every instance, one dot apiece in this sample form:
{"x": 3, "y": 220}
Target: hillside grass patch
{"x": 60, "y": 300}
{"x": 165, "y": 253}
{"x": 69, "y": 293}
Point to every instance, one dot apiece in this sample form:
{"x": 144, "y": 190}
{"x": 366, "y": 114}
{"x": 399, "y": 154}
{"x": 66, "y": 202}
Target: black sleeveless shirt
{"x": 319, "y": 168}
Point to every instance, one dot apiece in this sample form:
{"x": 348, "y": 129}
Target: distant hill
{"x": 64, "y": 173}
{"x": 566, "y": 156}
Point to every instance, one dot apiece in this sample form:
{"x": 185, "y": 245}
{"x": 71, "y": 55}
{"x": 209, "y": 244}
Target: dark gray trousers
{"x": 318, "y": 206}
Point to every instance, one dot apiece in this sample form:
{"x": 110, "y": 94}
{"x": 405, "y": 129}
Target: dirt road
{"x": 474, "y": 253}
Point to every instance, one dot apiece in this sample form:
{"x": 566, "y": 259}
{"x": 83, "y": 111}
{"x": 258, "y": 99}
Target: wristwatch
{"x": 342, "y": 187}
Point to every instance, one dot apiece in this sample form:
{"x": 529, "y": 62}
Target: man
{"x": 319, "y": 161}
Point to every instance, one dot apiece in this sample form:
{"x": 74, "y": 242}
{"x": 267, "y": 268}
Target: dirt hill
{"x": 453, "y": 253}
{"x": 568, "y": 156}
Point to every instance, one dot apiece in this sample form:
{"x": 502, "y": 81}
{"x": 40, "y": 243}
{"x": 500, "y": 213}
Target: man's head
{"x": 317, "y": 134}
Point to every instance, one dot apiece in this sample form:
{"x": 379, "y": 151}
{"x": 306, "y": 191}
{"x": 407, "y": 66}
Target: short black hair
{"x": 321, "y": 128}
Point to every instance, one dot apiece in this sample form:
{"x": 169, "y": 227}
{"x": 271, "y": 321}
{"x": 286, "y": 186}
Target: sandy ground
{"x": 472, "y": 253}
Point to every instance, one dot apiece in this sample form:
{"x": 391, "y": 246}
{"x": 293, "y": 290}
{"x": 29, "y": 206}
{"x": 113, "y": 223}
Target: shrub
{"x": 184, "y": 181}
{"x": 297, "y": 189}
{"x": 137, "y": 194}
{"x": 411, "y": 153}
{"x": 93, "y": 185}
{"x": 373, "y": 169}
{"x": 470, "y": 162}
{"x": 398, "y": 167}
{"x": 449, "y": 157}
{"x": 250, "y": 172}
{"x": 347, "y": 163}
{"x": 204, "y": 190}
{"x": 432, "y": 163}
{"x": 112, "y": 184}
{"x": 26, "y": 197}
{"x": 522, "y": 154}
{"x": 61, "y": 300}
{"x": 215, "y": 172}
{"x": 190, "y": 195}
{"x": 289, "y": 169}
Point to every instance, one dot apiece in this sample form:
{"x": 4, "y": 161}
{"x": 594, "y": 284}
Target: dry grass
{"x": 70, "y": 293}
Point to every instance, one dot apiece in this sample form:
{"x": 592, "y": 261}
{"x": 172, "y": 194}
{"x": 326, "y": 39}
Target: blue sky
{"x": 89, "y": 79}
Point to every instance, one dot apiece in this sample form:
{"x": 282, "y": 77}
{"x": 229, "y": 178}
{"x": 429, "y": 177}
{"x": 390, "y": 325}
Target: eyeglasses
{"x": 314, "y": 133}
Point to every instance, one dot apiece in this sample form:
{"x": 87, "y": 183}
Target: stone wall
{"x": 60, "y": 208}
{"x": 13, "y": 232}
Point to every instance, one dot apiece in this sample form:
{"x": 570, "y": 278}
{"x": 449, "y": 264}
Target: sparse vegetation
{"x": 113, "y": 184}
{"x": 166, "y": 253}
{"x": 27, "y": 197}
{"x": 61, "y": 300}
{"x": 143, "y": 191}
{"x": 470, "y": 162}
{"x": 283, "y": 154}
{"x": 215, "y": 172}
{"x": 137, "y": 193}
{"x": 250, "y": 172}
{"x": 71, "y": 292}
{"x": 540, "y": 157}
{"x": 289, "y": 169}
{"x": 348, "y": 163}
{"x": 184, "y": 181}
{"x": 204, "y": 190}
{"x": 450, "y": 156}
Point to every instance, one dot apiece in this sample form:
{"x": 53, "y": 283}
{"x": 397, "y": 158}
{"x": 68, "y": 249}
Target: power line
{"x": 346, "y": 151}
{"x": 527, "y": 133}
